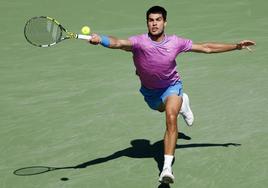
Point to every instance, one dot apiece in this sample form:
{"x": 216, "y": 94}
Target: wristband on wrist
{"x": 239, "y": 46}
{"x": 105, "y": 41}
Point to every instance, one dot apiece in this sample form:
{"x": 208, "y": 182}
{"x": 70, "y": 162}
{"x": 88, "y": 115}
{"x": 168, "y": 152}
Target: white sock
{"x": 168, "y": 161}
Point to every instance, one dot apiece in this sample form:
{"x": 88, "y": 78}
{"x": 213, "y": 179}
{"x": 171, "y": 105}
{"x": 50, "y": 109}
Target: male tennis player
{"x": 154, "y": 55}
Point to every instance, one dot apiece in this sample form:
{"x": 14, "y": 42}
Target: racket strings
{"x": 42, "y": 31}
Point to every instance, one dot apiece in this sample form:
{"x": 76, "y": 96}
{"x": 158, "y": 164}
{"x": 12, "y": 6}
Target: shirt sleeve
{"x": 134, "y": 41}
{"x": 184, "y": 45}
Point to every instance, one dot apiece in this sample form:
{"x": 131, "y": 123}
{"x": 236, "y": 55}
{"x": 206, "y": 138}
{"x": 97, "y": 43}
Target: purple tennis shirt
{"x": 155, "y": 62}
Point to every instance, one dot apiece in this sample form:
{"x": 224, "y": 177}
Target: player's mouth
{"x": 154, "y": 29}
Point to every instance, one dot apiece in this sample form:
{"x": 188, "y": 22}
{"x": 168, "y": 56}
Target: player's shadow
{"x": 163, "y": 185}
{"x": 142, "y": 148}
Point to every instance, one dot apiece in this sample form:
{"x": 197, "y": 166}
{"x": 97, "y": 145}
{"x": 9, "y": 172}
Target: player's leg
{"x": 172, "y": 108}
{"x": 173, "y": 105}
{"x": 185, "y": 111}
{"x": 161, "y": 107}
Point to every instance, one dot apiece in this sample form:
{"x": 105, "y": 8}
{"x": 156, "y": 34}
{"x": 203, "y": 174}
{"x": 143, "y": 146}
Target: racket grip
{"x": 84, "y": 37}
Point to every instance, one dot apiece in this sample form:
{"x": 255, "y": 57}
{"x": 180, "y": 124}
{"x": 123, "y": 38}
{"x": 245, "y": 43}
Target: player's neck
{"x": 157, "y": 38}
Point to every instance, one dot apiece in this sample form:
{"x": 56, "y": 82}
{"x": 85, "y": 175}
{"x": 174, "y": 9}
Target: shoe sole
{"x": 167, "y": 180}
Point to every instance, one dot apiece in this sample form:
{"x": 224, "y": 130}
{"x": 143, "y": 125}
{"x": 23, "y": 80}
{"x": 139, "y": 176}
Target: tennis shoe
{"x": 166, "y": 176}
{"x": 186, "y": 111}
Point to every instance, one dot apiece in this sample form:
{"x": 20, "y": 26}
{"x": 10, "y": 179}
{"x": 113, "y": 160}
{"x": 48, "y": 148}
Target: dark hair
{"x": 156, "y": 10}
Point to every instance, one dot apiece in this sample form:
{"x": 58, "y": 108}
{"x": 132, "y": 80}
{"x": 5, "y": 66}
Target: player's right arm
{"x": 111, "y": 42}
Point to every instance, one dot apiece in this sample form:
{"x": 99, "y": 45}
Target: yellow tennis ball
{"x": 85, "y": 30}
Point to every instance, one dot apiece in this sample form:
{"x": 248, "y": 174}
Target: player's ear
{"x": 165, "y": 24}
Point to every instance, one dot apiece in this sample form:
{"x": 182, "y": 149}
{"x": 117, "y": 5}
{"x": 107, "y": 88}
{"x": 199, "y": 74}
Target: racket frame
{"x": 69, "y": 35}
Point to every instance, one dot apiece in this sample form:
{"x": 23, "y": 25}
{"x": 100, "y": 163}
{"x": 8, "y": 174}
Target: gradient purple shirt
{"x": 155, "y": 62}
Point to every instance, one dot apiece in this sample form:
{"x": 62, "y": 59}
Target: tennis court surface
{"x": 77, "y": 105}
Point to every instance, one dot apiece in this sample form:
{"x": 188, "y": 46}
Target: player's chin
{"x": 156, "y": 33}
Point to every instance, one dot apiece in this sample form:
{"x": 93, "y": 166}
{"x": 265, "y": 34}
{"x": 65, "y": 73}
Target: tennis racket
{"x": 34, "y": 170}
{"x": 43, "y": 31}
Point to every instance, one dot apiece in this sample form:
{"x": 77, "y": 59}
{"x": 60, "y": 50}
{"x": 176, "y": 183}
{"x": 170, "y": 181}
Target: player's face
{"x": 156, "y": 24}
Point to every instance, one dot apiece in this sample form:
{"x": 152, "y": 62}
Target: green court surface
{"x": 77, "y": 105}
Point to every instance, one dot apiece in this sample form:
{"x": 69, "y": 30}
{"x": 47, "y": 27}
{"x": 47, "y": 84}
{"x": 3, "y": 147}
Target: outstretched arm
{"x": 220, "y": 47}
{"x": 111, "y": 42}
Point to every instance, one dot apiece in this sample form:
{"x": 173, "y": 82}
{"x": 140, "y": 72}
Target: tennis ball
{"x": 85, "y": 30}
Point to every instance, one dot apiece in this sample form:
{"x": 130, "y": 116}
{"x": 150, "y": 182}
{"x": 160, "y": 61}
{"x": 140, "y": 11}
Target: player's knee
{"x": 171, "y": 118}
{"x": 171, "y": 121}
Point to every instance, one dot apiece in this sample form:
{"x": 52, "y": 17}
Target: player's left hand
{"x": 244, "y": 44}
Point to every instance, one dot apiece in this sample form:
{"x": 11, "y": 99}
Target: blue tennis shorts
{"x": 155, "y": 97}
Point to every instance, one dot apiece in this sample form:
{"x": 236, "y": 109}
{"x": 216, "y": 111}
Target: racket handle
{"x": 84, "y": 37}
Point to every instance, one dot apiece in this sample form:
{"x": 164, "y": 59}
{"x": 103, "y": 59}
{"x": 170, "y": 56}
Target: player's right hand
{"x": 95, "y": 40}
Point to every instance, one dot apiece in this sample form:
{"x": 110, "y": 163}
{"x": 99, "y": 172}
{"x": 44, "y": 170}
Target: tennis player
{"x": 154, "y": 55}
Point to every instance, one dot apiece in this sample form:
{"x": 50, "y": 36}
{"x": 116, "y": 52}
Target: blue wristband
{"x": 105, "y": 41}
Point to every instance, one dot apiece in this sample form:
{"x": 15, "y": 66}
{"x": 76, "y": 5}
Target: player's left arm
{"x": 221, "y": 47}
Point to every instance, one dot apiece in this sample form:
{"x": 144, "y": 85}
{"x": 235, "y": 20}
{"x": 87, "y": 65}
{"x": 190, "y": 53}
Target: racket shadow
{"x": 140, "y": 149}
{"x": 35, "y": 170}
